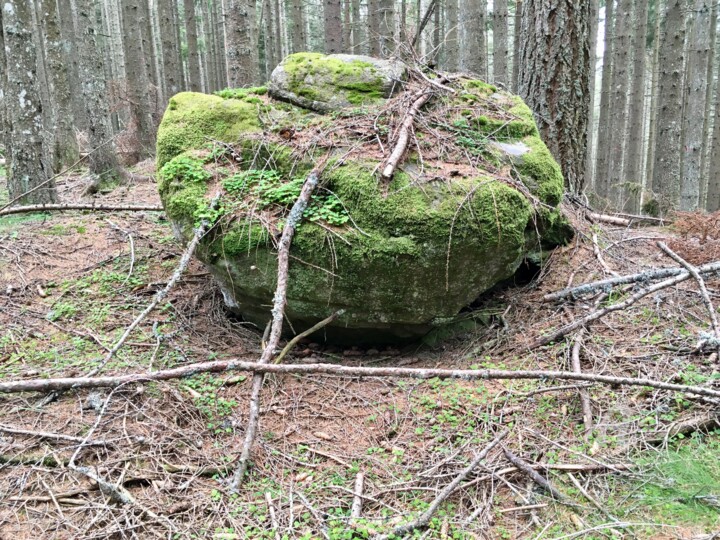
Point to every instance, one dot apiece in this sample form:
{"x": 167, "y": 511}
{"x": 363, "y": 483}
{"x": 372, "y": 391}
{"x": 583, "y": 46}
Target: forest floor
{"x": 70, "y": 283}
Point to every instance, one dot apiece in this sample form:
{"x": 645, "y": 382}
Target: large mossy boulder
{"x": 475, "y": 195}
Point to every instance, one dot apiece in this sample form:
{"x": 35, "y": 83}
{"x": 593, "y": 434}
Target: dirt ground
{"x": 70, "y": 283}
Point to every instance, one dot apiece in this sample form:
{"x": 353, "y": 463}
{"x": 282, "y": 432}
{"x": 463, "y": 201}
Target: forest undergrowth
{"x": 644, "y": 466}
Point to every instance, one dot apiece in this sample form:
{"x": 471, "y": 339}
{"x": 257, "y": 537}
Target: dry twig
{"x": 81, "y": 206}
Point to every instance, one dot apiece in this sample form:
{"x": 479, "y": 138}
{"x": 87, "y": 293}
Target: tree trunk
{"x": 137, "y": 81}
{"x": 590, "y": 158}
{"x": 601, "y": 176}
{"x": 500, "y": 43}
{"x": 102, "y": 161}
{"x": 517, "y": 19}
{"x": 333, "y": 26}
{"x": 191, "y": 34}
{"x": 636, "y": 118}
{"x": 698, "y": 56}
{"x": 241, "y": 43}
{"x": 171, "y": 65}
{"x": 622, "y": 61}
{"x": 387, "y": 27}
{"x": 710, "y": 88}
{"x": 452, "y": 40}
{"x": 476, "y": 38}
{"x": 64, "y": 149}
{"x": 652, "y": 112}
{"x": 667, "y": 169}
{"x": 69, "y": 36}
{"x": 29, "y": 166}
{"x": 148, "y": 42}
{"x": 297, "y": 34}
{"x": 358, "y": 33}
{"x": 555, "y": 79}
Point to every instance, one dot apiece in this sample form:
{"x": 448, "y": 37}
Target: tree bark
{"x": 500, "y": 43}
{"x": 517, "y": 19}
{"x": 241, "y": 43}
{"x": 358, "y": 34}
{"x": 191, "y": 33}
{"x": 373, "y": 26}
{"x": 102, "y": 161}
{"x": 64, "y": 149}
{"x": 452, "y": 38}
{"x": 707, "y": 130}
{"x": 636, "y": 119}
{"x": 137, "y": 80}
{"x": 171, "y": 64}
{"x": 698, "y": 57}
{"x": 617, "y": 128}
{"x": 29, "y": 165}
{"x": 476, "y": 38}
{"x": 387, "y": 27}
{"x": 333, "y": 26}
{"x": 555, "y": 79}
{"x": 298, "y": 37}
{"x": 652, "y": 112}
{"x": 667, "y": 169}
{"x": 592, "y": 124}
{"x": 601, "y": 177}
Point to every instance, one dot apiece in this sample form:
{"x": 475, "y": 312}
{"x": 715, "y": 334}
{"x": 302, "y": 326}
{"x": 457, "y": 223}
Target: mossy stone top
{"x": 327, "y": 83}
{"x": 399, "y": 258}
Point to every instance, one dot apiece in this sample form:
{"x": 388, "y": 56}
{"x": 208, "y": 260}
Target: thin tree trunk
{"x": 333, "y": 26}
{"x": 358, "y": 27}
{"x": 171, "y": 65}
{"x": 148, "y": 42}
{"x": 452, "y": 38}
{"x": 102, "y": 161}
{"x": 297, "y": 34}
{"x": 667, "y": 170}
{"x": 65, "y": 149}
{"x": 707, "y": 130}
{"x": 636, "y": 119}
{"x": 516, "y": 44}
{"x": 601, "y": 176}
{"x": 476, "y": 37}
{"x": 387, "y": 27}
{"x": 555, "y": 79}
{"x": 137, "y": 80}
{"x": 500, "y": 43}
{"x": 617, "y": 128}
{"x": 28, "y": 166}
{"x": 373, "y": 26}
{"x": 591, "y": 139}
{"x": 69, "y": 33}
{"x": 652, "y": 113}
{"x": 192, "y": 43}
{"x": 698, "y": 57}
{"x": 241, "y": 43}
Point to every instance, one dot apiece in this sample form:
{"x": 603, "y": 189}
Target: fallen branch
{"x": 426, "y": 516}
{"x": 526, "y": 469}
{"x": 356, "y": 509}
{"x": 306, "y": 333}
{"x": 701, "y": 284}
{"x": 595, "y": 315}
{"x": 278, "y": 314}
{"x": 584, "y": 396}
{"x": 49, "y": 435}
{"x": 607, "y": 284}
{"x": 81, "y": 206}
{"x": 403, "y": 138}
{"x": 220, "y": 366}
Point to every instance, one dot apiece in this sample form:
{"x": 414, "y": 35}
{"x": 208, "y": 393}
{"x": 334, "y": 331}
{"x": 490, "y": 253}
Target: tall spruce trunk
{"x": 103, "y": 163}
{"x": 64, "y": 149}
{"x": 666, "y": 179}
{"x": 555, "y": 79}
{"x": 476, "y": 38}
{"x": 171, "y": 65}
{"x": 617, "y": 128}
{"x": 698, "y": 57}
{"x": 500, "y": 42}
{"x": 29, "y": 167}
{"x": 387, "y": 27}
{"x": 652, "y": 109}
{"x": 710, "y": 88}
{"x": 148, "y": 42}
{"x": 241, "y": 43}
{"x": 191, "y": 32}
{"x": 358, "y": 27}
{"x": 298, "y": 37}
{"x": 634, "y": 169}
{"x": 333, "y": 26}
{"x": 590, "y": 157}
{"x": 137, "y": 81}
{"x": 601, "y": 175}
{"x": 373, "y": 27}
{"x": 517, "y": 19}
{"x": 452, "y": 38}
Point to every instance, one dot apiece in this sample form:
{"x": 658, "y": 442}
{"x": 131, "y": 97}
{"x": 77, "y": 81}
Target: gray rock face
{"x": 325, "y": 83}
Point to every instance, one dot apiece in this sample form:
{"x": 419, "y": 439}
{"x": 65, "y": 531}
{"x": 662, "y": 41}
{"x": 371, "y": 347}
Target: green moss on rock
{"x": 192, "y": 120}
{"x": 541, "y": 173}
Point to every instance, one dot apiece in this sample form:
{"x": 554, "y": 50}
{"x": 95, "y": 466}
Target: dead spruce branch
{"x": 425, "y": 517}
{"x": 220, "y": 366}
{"x": 82, "y": 206}
{"x": 403, "y": 138}
{"x": 641, "y": 277}
{"x": 278, "y": 314}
